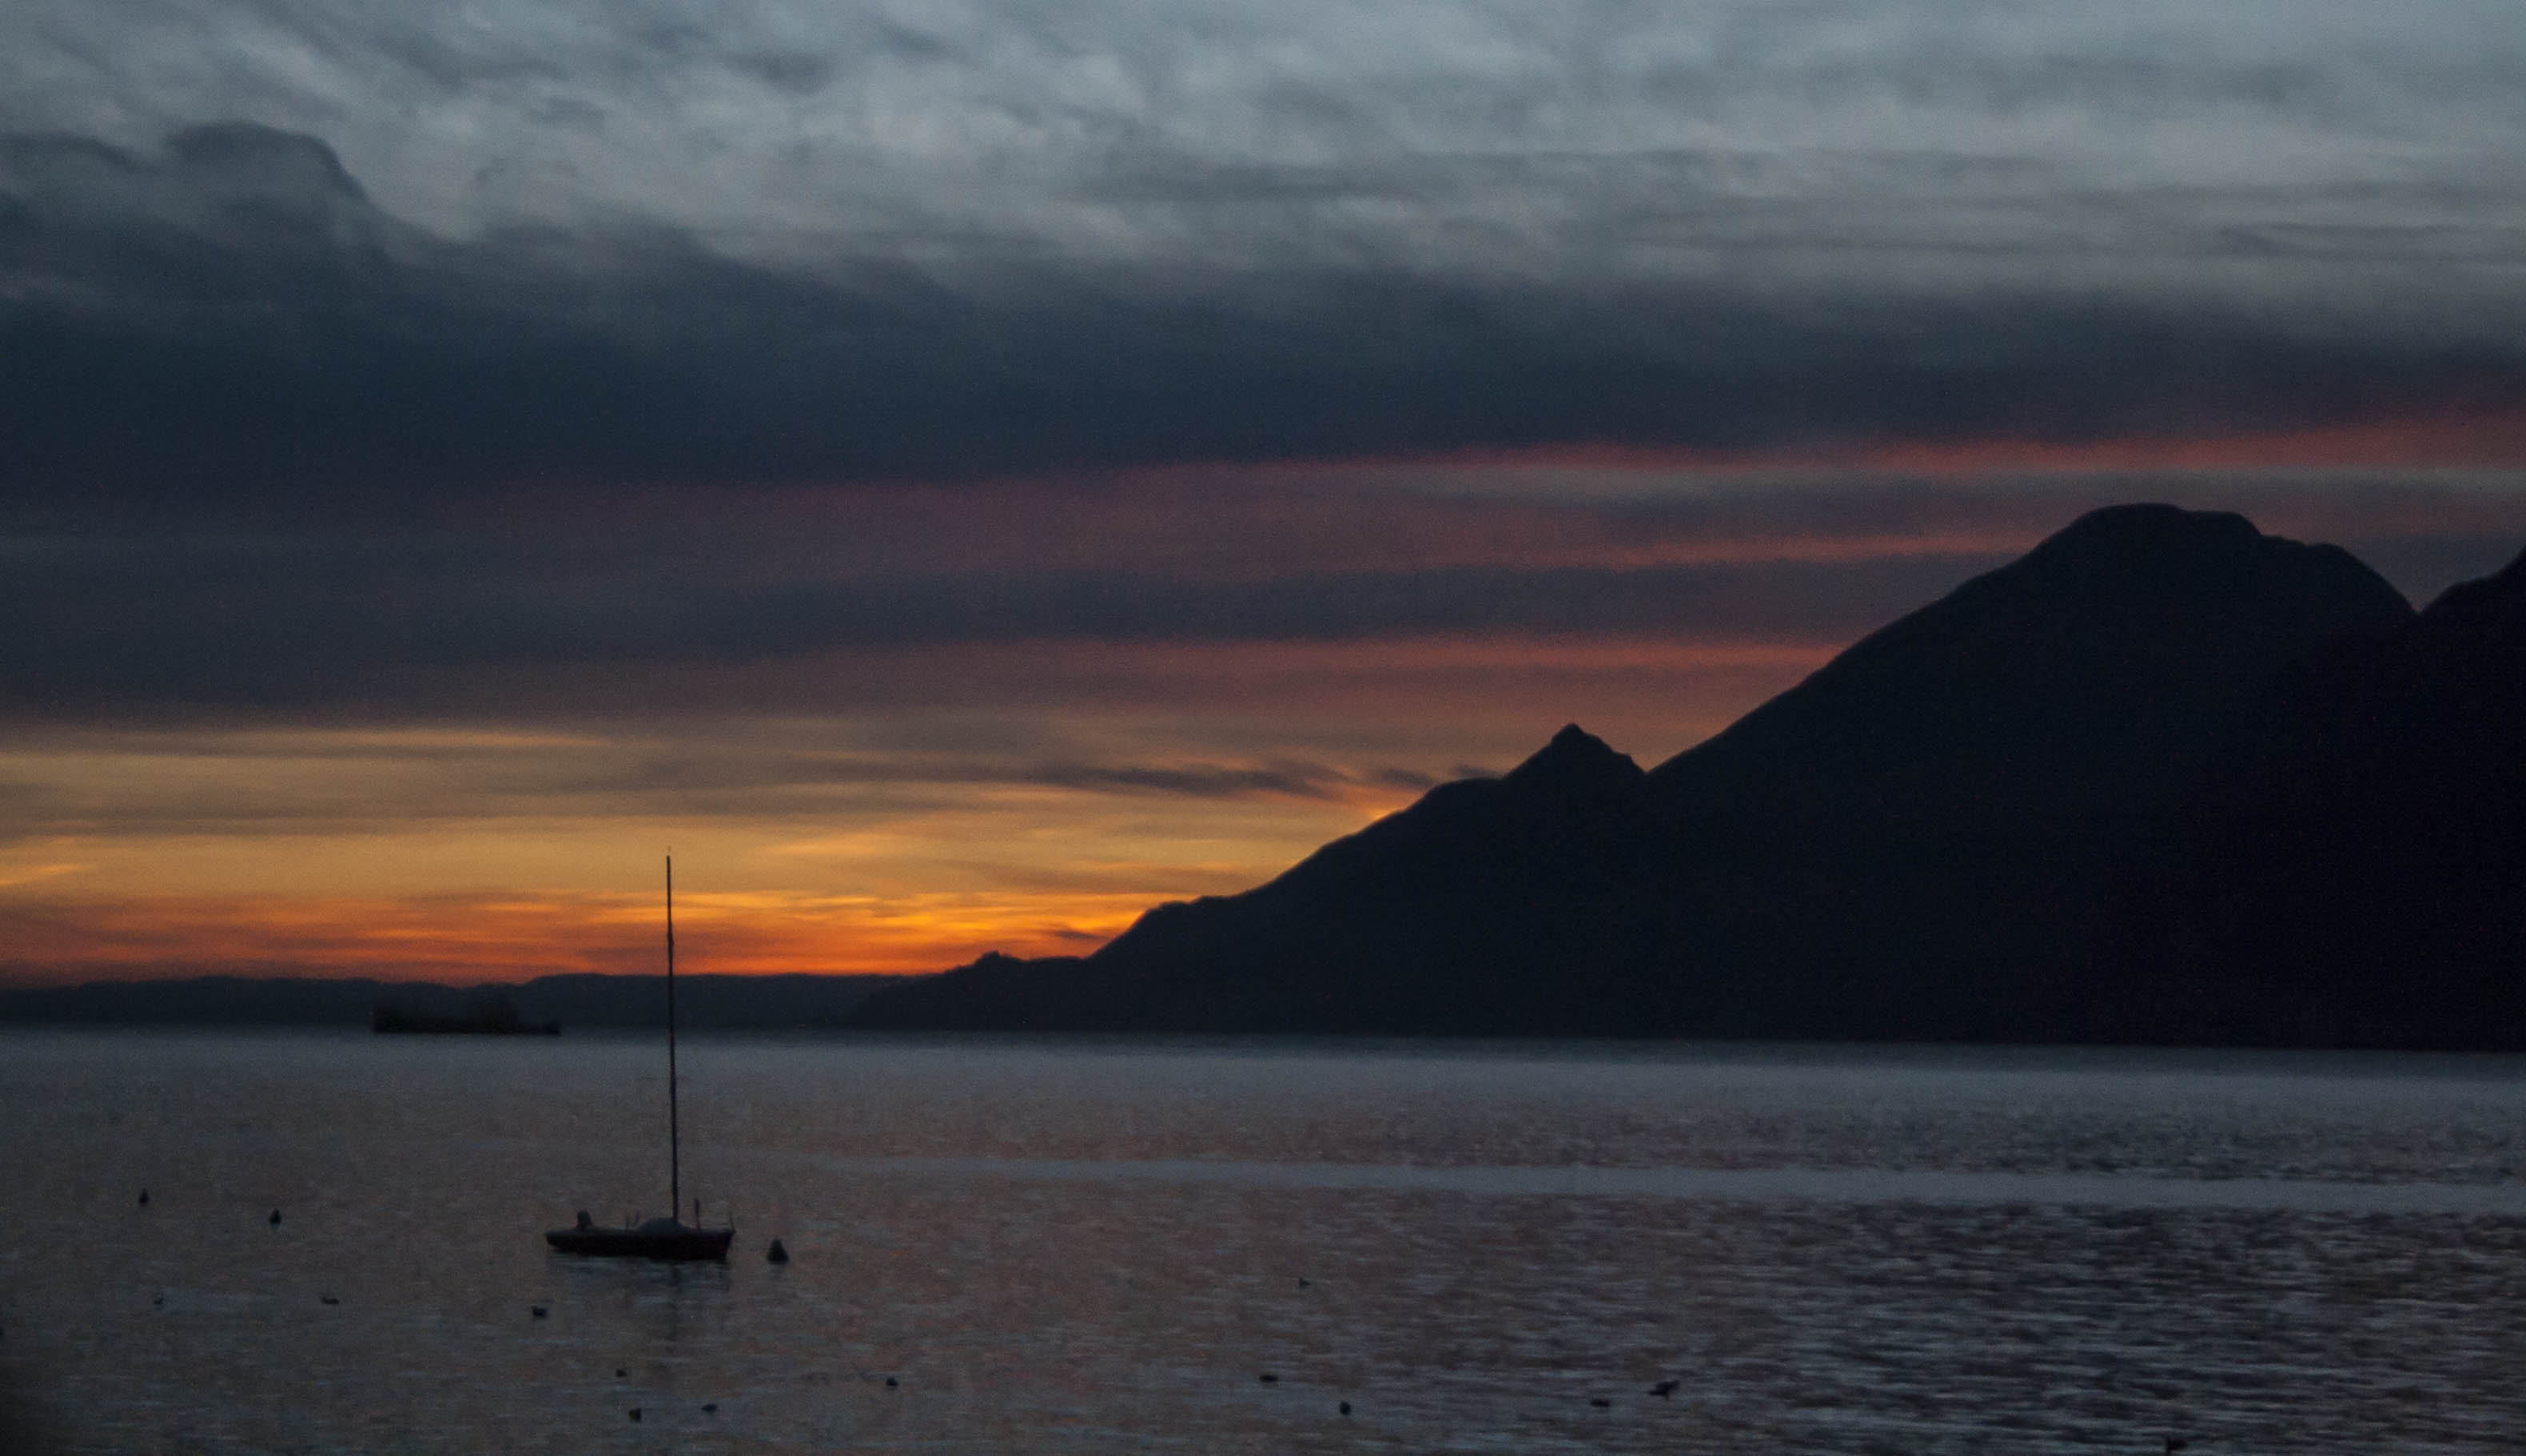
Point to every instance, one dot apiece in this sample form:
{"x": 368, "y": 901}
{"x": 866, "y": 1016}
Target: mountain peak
{"x": 1574, "y": 757}
{"x": 2156, "y": 523}
{"x": 2164, "y": 552}
{"x": 2117, "y": 658}
{"x": 2145, "y": 541}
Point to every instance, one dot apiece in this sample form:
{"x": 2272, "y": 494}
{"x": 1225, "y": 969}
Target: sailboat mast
{"x": 674, "y": 1148}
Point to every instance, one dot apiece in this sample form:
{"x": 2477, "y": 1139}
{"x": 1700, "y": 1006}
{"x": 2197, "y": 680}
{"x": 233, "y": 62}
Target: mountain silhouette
{"x": 2363, "y": 863}
{"x": 1937, "y": 835}
{"x": 1462, "y": 912}
{"x": 2099, "y": 794}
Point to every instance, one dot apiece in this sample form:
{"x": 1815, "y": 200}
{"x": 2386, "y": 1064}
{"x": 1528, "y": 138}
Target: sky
{"x": 960, "y": 474}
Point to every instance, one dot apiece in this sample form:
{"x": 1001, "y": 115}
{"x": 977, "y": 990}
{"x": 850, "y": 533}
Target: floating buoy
{"x": 1302, "y": 1281}
{"x": 327, "y": 1299}
{"x": 1663, "y": 1389}
{"x": 620, "y": 1374}
{"x": 1345, "y": 1407}
{"x": 1599, "y": 1401}
{"x": 777, "y": 1254}
{"x": 537, "y": 1310}
{"x": 710, "y": 1407}
{"x": 890, "y": 1382}
{"x": 1270, "y": 1378}
{"x": 275, "y": 1219}
{"x": 635, "y": 1413}
{"x": 144, "y": 1198}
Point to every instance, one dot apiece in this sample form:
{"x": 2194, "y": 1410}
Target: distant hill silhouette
{"x": 2164, "y": 778}
{"x": 756, "y": 1002}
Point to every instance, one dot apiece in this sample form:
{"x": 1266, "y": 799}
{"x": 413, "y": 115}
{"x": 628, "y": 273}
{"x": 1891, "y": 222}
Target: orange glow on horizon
{"x": 1089, "y": 782}
{"x": 901, "y": 808}
{"x": 474, "y": 941}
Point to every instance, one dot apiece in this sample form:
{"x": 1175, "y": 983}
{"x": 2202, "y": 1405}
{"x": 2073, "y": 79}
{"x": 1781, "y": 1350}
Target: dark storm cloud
{"x": 237, "y": 314}
{"x": 232, "y": 318}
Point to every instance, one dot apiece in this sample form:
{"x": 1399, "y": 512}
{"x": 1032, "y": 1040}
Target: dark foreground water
{"x": 1105, "y": 1247}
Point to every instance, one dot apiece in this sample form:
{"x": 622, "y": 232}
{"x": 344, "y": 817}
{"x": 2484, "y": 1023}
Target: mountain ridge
{"x": 1967, "y": 826}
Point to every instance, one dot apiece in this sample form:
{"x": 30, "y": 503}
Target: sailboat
{"x": 670, "y": 1238}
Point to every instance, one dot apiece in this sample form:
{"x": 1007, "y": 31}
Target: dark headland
{"x": 2164, "y": 780}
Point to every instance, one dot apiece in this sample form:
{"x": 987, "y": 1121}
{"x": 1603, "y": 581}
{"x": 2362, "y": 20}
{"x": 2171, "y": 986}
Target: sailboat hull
{"x": 679, "y": 1244}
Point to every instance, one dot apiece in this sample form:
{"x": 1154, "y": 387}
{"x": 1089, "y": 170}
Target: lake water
{"x": 1104, "y": 1247}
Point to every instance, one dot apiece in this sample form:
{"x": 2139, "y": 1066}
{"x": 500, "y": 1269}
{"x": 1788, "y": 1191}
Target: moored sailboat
{"x": 669, "y": 1237}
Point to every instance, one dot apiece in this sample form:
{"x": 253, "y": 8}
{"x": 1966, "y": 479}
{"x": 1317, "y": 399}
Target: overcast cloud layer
{"x": 1116, "y": 128}
{"x": 371, "y": 249}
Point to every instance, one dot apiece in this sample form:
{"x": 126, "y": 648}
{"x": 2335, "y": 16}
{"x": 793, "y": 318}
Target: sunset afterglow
{"x": 961, "y": 477}
{"x": 1272, "y": 669}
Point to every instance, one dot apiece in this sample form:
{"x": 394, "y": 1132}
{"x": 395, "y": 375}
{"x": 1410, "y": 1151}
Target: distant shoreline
{"x": 807, "y": 1004}
{"x": 585, "y": 1000}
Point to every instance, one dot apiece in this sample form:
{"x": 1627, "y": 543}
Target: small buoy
{"x": 777, "y": 1254}
{"x": 275, "y": 1219}
{"x": 158, "y": 1301}
{"x": 2175, "y": 1443}
{"x": 144, "y": 1198}
{"x": 537, "y": 1310}
{"x": 710, "y": 1407}
{"x": 890, "y": 1382}
{"x": 1345, "y": 1407}
{"x": 1302, "y": 1281}
{"x": 635, "y": 1413}
{"x": 1599, "y": 1401}
{"x": 1663, "y": 1389}
{"x": 622, "y": 1375}
{"x": 1270, "y": 1378}
{"x": 328, "y": 1299}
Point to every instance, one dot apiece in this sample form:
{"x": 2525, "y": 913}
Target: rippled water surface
{"x": 1107, "y": 1246}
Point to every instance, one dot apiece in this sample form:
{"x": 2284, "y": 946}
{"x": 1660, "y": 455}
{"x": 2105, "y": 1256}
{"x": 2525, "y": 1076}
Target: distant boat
{"x": 495, "y": 1016}
{"x": 669, "y": 1237}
